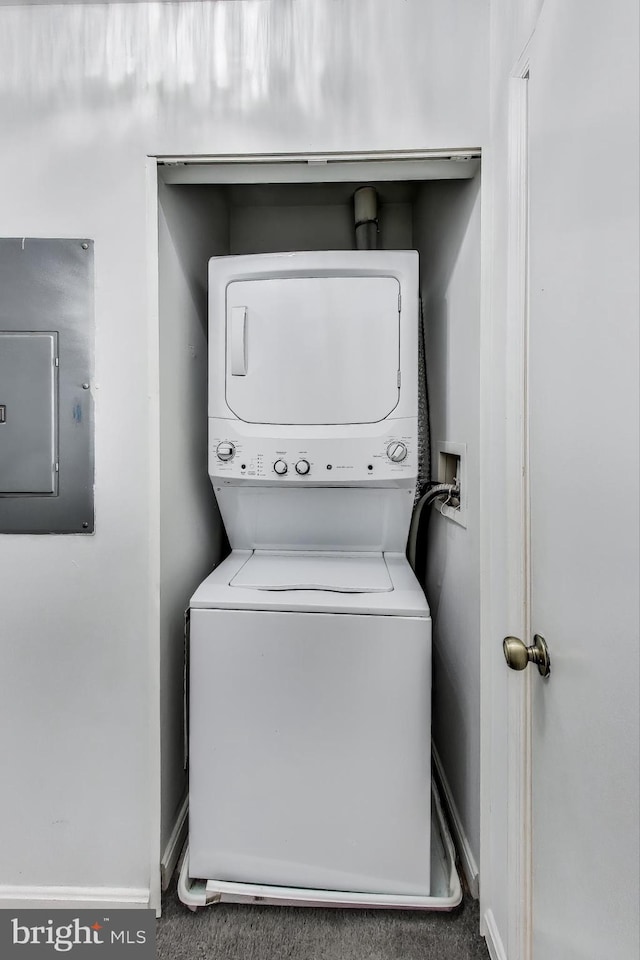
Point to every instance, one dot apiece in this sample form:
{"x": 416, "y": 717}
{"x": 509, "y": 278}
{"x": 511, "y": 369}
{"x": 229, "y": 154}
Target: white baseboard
{"x": 467, "y": 859}
{"x": 72, "y": 898}
{"x": 489, "y": 930}
{"x": 174, "y": 845}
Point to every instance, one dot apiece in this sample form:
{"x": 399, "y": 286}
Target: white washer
{"x": 310, "y": 723}
{"x": 310, "y": 663}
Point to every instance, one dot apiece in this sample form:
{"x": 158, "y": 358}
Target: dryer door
{"x": 321, "y": 350}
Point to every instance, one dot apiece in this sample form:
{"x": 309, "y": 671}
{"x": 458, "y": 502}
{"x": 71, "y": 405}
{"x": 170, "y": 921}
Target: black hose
{"x": 438, "y": 492}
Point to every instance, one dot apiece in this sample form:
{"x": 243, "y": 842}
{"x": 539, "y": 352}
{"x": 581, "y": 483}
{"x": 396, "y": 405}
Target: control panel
{"x": 332, "y": 460}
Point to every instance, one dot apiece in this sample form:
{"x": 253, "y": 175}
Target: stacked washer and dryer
{"x": 310, "y": 644}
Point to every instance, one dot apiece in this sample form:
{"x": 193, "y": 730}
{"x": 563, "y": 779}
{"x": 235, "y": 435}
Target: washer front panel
{"x": 310, "y": 750}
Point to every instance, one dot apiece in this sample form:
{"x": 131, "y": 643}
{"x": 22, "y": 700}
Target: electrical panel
{"x": 28, "y": 447}
{"x": 46, "y": 371}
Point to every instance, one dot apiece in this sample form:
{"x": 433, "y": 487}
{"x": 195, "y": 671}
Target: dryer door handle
{"x": 238, "y": 341}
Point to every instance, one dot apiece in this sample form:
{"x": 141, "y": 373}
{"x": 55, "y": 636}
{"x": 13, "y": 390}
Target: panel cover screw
{"x": 85, "y": 524}
{"x": 85, "y": 246}
{"x": 85, "y": 386}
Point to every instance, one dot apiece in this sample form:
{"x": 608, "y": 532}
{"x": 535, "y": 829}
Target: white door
{"x": 583, "y": 364}
{"x": 313, "y": 350}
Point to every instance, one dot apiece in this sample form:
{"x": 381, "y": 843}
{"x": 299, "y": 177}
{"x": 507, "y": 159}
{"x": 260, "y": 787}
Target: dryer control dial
{"x": 303, "y": 467}
{"x": 280, "y": 467}
{"x": 397, "y": 451}
{"x": 225, "y": 450}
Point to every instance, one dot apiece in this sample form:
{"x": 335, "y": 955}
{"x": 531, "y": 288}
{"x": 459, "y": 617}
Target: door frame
{"x": 153, "y": 506}
{"x": 520, "y": 755}
{"x": 513, "y": 942}
{"x": 380, "y": 165}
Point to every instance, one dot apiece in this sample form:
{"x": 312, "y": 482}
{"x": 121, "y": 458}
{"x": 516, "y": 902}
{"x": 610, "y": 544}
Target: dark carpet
{"x": 238, "y": 932}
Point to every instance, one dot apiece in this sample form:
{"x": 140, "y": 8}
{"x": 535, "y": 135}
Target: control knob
{"x": 303, "y": 467}
{"x": 280, "y": 467}
{"x": 225, "y": 450}
{"x": 397, "y": 451}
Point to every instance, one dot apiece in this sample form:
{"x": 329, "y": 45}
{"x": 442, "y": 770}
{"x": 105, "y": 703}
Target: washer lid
{"x": 299, "y": 570}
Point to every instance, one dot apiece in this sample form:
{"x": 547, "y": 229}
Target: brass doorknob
{"x": 519, "y": 656}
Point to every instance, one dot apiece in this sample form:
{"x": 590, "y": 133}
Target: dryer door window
{"x": 321, "y": 350}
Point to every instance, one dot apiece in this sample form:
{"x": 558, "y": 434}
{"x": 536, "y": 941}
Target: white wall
{"x": 86, "y": 93}
{"x": 446, "y": 225}
{"x": 193, "y": 226}
{"x": 270, "y": 229}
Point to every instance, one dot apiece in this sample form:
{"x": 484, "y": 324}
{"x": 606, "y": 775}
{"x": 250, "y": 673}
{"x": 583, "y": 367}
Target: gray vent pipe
{"x": 365, "y": 208}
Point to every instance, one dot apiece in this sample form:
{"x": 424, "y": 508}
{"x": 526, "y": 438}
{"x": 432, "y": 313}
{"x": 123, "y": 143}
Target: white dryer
{"x": 310, "y": 664}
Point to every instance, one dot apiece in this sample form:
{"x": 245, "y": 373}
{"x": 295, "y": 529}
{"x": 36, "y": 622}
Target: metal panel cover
{"x": 46, "y": 408}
